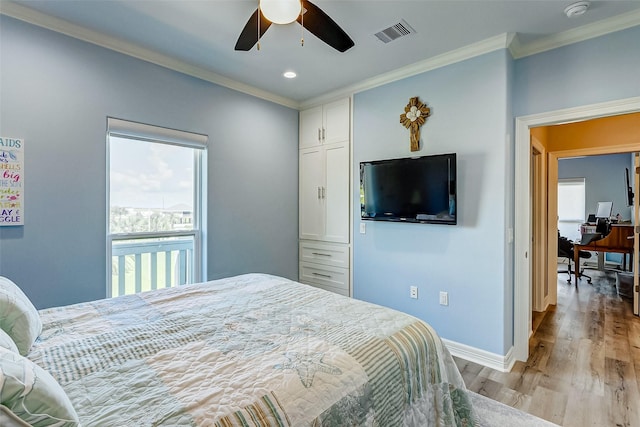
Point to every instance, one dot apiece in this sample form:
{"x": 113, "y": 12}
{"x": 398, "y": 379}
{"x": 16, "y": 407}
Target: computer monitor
{"x": 604, "y": 210}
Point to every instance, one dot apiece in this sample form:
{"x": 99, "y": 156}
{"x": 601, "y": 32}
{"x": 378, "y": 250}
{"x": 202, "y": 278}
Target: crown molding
{"x": 508, "y": 41}
{"x": 501, "y": 41}
{"x": 34, "y": 17}
{"x": 585, "y": 32}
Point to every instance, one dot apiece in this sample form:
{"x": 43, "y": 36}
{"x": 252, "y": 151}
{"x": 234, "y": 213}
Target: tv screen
{"x": 628, "y": 188}
{"x": 414, "y": 189}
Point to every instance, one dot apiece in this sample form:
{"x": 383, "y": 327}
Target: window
{"x": 571, "y": 207}
{"x": 155, "y": 191}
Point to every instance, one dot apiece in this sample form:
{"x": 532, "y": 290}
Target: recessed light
{"x": 576, "y": 9}
{"x": 289, "y": 74}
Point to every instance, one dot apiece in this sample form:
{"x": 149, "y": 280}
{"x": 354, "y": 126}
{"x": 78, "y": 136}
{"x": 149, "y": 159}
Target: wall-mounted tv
{"x": 628, "y": 188}
{"x": 414, "y": 189}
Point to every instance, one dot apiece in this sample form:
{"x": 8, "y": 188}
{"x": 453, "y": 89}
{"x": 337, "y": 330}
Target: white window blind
{"x": 125, "y": 128}
{"x": 571, "y": 207}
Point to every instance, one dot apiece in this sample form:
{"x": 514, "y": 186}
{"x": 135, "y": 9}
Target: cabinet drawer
{"x": 328, "y": 278}
{"x": 324, "y": 253}
{"x": 344, "y": 292}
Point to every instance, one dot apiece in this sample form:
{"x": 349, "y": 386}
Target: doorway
{"x": 523, "y": 218}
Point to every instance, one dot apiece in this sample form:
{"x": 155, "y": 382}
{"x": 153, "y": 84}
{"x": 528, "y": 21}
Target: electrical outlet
{"x": 444, "y": 298}
{"x": 363, "y": 228}
{"x": 413, "y": 292}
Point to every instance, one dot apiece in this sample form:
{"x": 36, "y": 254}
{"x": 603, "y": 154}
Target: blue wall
{"x": 474, "y": 104}
{"x": 597, "y": 70}
{"x": 604, "y": 180}
{"x": 57, "y": 93}
{"x": 469, "y": 102}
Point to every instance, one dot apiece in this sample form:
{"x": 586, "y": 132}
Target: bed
{"x": 250, "y": 350}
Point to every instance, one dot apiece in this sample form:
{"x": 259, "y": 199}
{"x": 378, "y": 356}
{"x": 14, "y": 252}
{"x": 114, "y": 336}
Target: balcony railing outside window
{"x": 146, "y": 264}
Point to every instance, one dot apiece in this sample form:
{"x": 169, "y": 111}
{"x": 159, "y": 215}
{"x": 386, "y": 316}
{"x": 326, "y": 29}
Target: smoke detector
{"x": 576, "y": 9}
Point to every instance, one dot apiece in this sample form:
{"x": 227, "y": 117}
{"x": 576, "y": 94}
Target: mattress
{"x": 251, "y": 350}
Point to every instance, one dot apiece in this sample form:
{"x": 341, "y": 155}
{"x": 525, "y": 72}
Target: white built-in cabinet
{"x": 324, "y": 193}
{"x": 324, "y": 188}
{"x": 325, "y": 124}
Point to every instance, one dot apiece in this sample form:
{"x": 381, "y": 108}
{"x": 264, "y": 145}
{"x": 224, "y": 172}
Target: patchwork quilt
{"x": 251, "y": 350}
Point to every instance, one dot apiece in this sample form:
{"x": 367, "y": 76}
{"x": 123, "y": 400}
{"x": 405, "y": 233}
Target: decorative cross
{"x": 415, "y": 115}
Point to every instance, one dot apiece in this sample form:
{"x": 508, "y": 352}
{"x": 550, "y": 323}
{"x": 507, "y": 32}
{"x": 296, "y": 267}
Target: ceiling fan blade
{"x": 323, "y": 27}
{"x": 249, "y": 35}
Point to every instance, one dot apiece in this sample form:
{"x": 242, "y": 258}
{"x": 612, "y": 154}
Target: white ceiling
{"x": 199, "y": 35}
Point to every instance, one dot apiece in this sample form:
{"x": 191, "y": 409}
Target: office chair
{"x": 565, "y": 250}
{"x": 602, "y": 226}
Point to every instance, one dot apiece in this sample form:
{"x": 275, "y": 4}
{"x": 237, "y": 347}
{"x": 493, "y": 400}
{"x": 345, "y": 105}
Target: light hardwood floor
{"x": 584, "y": 360}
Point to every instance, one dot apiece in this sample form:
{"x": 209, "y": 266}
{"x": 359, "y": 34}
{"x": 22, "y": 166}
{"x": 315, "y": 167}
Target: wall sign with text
{"x": 11, "y": 181}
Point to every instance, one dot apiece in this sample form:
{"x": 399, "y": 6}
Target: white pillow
{"x": 9, "y": 419}
{"x": 18, "y": 317}
{"x": 7, "y": 342}
{"x": 31, "y": 394}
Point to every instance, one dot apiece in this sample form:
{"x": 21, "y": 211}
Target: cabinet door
{"x": 310, "y": 127}
{"x": 311, "y": 204}
{"x": 336, "y": 121}
{"x": 337, "y": 192}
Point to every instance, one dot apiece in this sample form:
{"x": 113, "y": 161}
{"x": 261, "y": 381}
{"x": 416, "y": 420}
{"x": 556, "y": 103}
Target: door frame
{"x": 636, "y": 237}
{"x": 522, "y": 201}
{"x": 539, "y": 281}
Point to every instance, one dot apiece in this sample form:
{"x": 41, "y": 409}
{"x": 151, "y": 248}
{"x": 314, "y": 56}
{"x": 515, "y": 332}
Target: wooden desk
{"x": 619, "y": 239}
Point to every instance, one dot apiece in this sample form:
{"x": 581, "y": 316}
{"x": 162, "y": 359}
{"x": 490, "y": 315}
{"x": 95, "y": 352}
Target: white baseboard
{"x": 482, "y": 357}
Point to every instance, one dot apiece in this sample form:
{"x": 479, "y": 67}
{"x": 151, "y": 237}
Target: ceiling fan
{"x": 306, "y": 13}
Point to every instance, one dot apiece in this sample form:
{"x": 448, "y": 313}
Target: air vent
{"x": 396, "y": 31}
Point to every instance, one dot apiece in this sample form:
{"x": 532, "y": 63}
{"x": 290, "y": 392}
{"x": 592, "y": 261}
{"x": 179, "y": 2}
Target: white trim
{"x": 481, "y": 357}
{"x": 156, "y": 135}
{"x": 351, "y": 201}
{"x": 34, "y": 17}
{"x": 585, "y": 32}
{"x": 522, "y": 285}
{"x": 76, "y": 31}
{"x": 522, "y": 242}
{"x": 508, "y": 41}
{"x": 501, "y": 41}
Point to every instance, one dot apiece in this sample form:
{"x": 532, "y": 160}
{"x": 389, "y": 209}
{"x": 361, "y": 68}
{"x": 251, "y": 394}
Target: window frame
{"x": 565, "y": 182}
{"x": 161, "y": 135}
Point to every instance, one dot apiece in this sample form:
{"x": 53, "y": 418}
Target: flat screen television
{"x": 628, "y": 188}
{"x": 414, "y": 189}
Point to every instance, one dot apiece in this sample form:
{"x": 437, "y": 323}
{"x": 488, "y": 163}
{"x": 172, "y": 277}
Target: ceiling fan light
{"x": 281, "y": 11}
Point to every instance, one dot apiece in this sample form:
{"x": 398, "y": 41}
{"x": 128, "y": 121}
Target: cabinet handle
{"x": 324, "y": 191}
{"x": 323, "y": 135}
{"x": 322, "y": 275}
{"x": 320, "y": 254}
{"x": 319, "y": 193}
{"x": 319, "y": 136}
